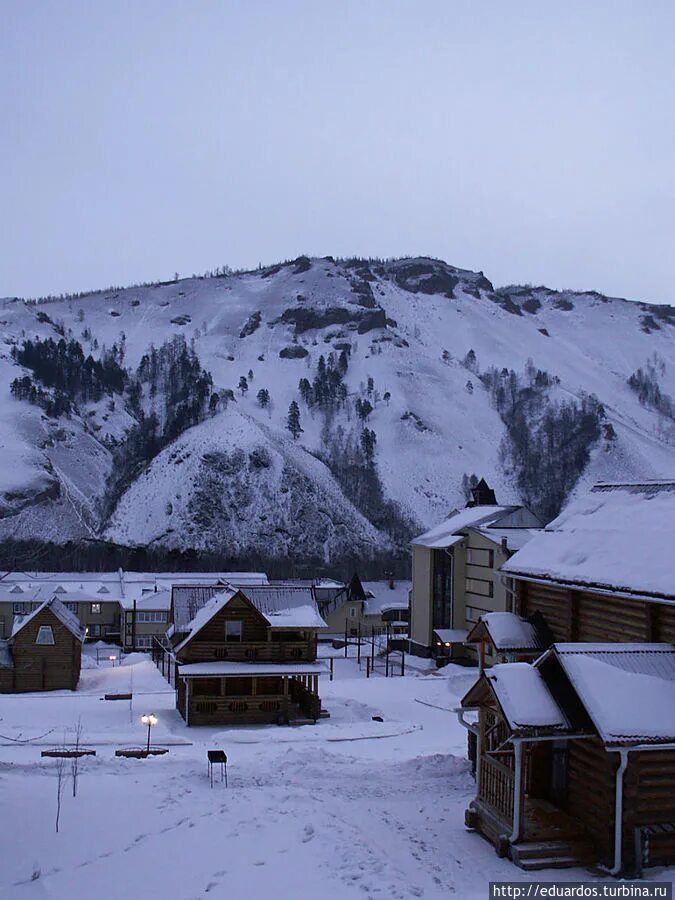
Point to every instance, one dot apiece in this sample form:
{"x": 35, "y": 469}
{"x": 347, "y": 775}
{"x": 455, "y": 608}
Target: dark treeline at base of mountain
{"x": 103, "y": 556}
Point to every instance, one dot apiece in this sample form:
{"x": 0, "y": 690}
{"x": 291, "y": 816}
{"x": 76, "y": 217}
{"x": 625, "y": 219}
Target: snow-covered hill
{"x": 238, "y": 482}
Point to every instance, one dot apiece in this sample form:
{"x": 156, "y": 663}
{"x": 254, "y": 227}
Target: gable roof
{"x": 618, "y": 537}
{"x": 55, "y": 606}
{"x": 627, "y": 689}
{"x": 522, "y": 695}
{"x": 445, "y": 534}
{"x": 206, "y": 613}
{"x": 509, "y": 633}
{"x": 281, "y": 605}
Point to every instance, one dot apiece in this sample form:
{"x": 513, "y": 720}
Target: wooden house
{"x": 44, "y": 651}
{"x": 359, "y": 607}
{"x": 575, "y": 757}
{"x": 247, "y": 657}
{"x": 603, "y": 570}
{"x": 456, "y": 573}
{"x": 506, "y": 637}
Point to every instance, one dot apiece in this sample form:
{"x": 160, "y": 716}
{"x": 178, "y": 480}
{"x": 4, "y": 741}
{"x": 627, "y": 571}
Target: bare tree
{"x": 60, "y": 784}
{"x": 75, "y": 762}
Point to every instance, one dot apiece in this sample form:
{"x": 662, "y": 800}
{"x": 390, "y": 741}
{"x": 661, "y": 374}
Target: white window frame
{"x": 45, "y": 636}
{"x": 95, "y": 609}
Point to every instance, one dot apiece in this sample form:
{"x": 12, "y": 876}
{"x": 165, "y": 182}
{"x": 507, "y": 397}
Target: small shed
{"x": 44, "y": 651}
{"x": 506, "y": 637}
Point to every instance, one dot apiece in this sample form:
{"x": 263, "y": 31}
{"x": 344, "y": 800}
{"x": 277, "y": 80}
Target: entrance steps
{"x": 556, "y": 854}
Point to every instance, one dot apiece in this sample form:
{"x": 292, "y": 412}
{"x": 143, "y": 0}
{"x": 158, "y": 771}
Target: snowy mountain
{"x": 429, "y": 374}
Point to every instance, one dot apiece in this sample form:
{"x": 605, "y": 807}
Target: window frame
{"x": 480, "y": 565}
{"x": 43, "y": 630}
{"x": 489, "y": 583}
{"x": 95, "y": 609}
{"x": 234, "y": 637}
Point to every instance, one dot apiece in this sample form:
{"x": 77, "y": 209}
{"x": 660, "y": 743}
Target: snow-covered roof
{"x": 67, "y": 618}
{"x": 524, "y": 697}
{"x": 445, "y": 534}
{"x": 516, "y": 538}
{"x": 452, "y": 635}
{"x": 616, "y": 537}
{"x": 204, "y": 615}
{"x": 160, "y": 600}
{"x": 283, "y": 605}
{"x": 380, "y": 597}
{"x": 508, "y": 632}
{"x": 305, "y": 616}
{"x": 628, "y": 690}
{"x": 191, "y": 670}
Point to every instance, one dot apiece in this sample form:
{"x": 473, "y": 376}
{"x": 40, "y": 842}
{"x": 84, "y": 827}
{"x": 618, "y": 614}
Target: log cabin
{"x": 247, "y": 657}
{"x": 506, "y": 637}
{"x": 575, "y": 757}
{"x": 603, "y": 570}
{"x": 44, "y": 651}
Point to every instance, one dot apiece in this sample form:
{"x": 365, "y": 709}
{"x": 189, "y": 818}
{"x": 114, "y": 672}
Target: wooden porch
{"x": 548, "y": 836}
{"x": 256, "y": 699}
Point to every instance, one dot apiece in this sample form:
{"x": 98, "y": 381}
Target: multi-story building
{"x": 456, "y": 577}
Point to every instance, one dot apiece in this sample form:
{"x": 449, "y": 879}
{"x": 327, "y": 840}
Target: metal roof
{"x": 627, "y": 689}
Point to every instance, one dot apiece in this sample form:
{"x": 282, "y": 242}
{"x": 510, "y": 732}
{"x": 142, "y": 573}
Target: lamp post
{"x": 149, "y": 719}
{"x": 112, "y": 660}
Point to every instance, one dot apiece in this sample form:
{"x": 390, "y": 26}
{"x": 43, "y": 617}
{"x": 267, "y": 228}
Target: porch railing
{"x": 496, "y": 786}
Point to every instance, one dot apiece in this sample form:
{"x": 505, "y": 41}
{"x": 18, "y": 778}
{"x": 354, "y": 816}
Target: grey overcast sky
{"x": 532, "y": 140}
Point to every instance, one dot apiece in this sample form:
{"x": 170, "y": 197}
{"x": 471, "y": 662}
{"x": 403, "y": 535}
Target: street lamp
{"x": 112, "y": 660}
{"x": 149, "y": 719}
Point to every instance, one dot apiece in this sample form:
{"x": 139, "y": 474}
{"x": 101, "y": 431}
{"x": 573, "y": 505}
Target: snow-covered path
{"x": 333, "y": 810}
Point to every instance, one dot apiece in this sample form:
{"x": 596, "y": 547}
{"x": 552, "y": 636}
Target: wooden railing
{"x": 262, "y": 651}
{"x": 496, "y": 786}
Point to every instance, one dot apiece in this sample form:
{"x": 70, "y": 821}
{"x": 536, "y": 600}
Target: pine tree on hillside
{"x": 263, "y": 398}
{"x": 293, "y": 420}
{"x": 243, "y": 385}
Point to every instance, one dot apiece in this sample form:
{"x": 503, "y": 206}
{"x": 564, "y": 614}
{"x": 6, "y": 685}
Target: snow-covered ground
{"x": 349, "y": 808}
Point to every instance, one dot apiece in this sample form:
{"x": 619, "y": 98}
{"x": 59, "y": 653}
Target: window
{"x": 72, "y": 607}
{"x": 151, "y": 616}
{"x": 95, "y": 609}
{"x": 143, "y": 641}
{"x": 45, "y": 635}
{"x": 233, "y": 630}
{"x": 18, "y": 609}
{"x": 477, "y": 557}
{"x": 479, "y": 586}
{"x": 352, "y": 612}
{"x": 206, "y": 687}
{"x": 94, "y": 631}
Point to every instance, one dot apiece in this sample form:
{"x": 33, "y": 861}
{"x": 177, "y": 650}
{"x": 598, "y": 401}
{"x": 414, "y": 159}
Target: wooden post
{"x": 367, "y": 667}
{"x": 358, "y": 648}
{"x": 402, "y": 662}
{"x": 386, "y": 664}
{"x": 331, "y": 668}
{"x": 345, "y": 638}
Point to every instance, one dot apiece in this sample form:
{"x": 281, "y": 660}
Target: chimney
{"x": 390, "y": 578}
{"x": 505, "y": 545}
